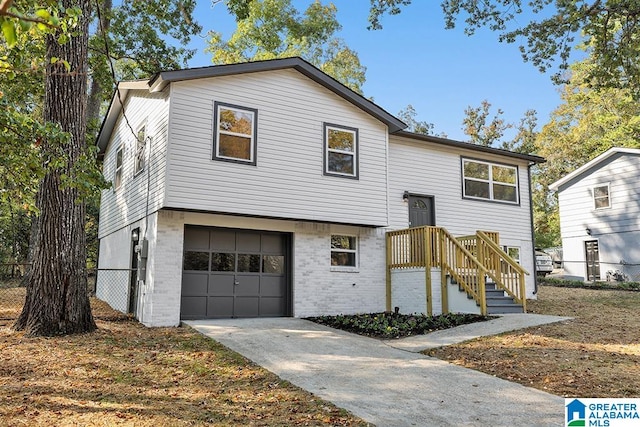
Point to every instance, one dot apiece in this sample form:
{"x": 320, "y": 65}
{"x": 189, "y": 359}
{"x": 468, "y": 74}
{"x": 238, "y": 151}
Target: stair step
{"x": 504, "y": 308}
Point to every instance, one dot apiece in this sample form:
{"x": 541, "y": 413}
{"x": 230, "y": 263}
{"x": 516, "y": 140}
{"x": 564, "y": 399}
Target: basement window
{"x": 343, "y": 251}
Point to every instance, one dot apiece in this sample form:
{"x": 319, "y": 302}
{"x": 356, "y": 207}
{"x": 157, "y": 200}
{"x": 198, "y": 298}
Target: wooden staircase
{"x": 498, "y": 302}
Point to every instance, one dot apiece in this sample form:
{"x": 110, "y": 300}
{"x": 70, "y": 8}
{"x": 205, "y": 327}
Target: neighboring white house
{"x": 266, "y": 189}
{"x": 600, "y": 214}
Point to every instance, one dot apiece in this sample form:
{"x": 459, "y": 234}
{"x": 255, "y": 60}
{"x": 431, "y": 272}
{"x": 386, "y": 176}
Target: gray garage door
{"x": 234, "y": 273}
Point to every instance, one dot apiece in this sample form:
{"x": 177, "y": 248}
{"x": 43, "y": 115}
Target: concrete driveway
{"x": 385, "y": 385}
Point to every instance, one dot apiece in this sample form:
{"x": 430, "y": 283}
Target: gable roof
{"x": 160, "y": 80}
{"x": 593, "y": 164}
{"x": 469, "y": 146}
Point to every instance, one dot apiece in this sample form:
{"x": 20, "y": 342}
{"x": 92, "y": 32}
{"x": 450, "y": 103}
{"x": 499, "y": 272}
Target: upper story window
{"x": 117, "y": 178}
{"x": 601, "y": 198}
{"x": 141, "y": 143}
{"x": 489, "y": 181}
{"x": 343, "y": 250}
{"x": 340, "y": 151}
{"x": 235, "y": 136}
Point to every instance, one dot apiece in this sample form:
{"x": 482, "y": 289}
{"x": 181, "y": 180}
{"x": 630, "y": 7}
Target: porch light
{"x": 588, "y": 230}
{"x": 405, "y": 197}
{"x": 135, "y": 235}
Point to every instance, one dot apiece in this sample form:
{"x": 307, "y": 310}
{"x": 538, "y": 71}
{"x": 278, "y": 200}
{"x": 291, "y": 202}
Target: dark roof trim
{"x": 468, "y": 146}
{"x": 160, "y": 80}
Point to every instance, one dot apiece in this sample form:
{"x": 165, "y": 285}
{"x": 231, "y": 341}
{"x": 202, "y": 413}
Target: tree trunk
{"x": 96, "y": 89}
{"x": 57, "y": 302}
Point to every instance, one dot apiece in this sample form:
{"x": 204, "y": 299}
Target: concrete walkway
{"x": 389, "y": 383}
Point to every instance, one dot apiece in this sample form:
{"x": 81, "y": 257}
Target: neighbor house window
{"x": 343, "y": 251}
{"x": 340, "y": 151}
{"x": 489, "y": 181}
{"x": 141, "y": 142}
{"x": 601, "y": 198}
{"x": 117, "y": 179}
{"x": 235, "y": 135}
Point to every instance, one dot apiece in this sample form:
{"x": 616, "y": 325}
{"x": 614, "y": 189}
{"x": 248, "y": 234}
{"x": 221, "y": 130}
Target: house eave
{"x": 159, "y": 81}
{"x": 533, "y": 159}
{"x": 591, "y": 165}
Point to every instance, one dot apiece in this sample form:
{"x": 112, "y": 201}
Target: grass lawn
{"x": 595, "y": 355}
{"x": 126, "y": 374}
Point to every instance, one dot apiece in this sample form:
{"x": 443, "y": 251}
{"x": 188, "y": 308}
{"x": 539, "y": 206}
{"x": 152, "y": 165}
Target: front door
{"x": 593, "y": 260}
{"x": 421, "y": 211}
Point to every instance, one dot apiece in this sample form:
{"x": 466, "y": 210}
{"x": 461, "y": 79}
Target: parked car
{"x": 544, "y": 263}
{"x": 556, "y": 255}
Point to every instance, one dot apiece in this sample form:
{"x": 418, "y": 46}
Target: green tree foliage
{"x": 608, "y": 29}
{"x": 409, "y": 117}
{"x": 586, "y": 124}
{"x": 480, "y": 131}
{"x": 268, "y": 29}
{"x": 142, "y": 38}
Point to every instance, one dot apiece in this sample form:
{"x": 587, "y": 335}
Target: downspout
{"x": 533, "y": 233}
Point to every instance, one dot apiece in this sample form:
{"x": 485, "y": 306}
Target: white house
{"x": 600, "y": 215}
{"x": 267, "y": 189}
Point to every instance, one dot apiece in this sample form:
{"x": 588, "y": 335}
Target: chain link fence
{"x": 108, "y": 290}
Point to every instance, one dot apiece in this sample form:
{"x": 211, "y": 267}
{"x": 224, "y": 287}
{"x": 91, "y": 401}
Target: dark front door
{"x": 421, "y": 211}
{"x": 235, "y": 273}
{"x": 593, "y": 260}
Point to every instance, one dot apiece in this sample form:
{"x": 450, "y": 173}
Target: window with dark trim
{"x": 601, "y": 198}
{"x": 340, "y": 151}
{"x": 344, "y": 251}
{"x": 235, "y": 133}
{"x": 141, "y": 142}
{"x": 117, "y": 178}
{"x": 489, "y": 181}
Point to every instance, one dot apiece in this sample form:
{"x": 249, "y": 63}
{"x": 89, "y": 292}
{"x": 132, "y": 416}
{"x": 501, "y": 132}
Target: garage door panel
{"x": 220, "y": 307}
{"x": 247, "y": 285}
{"x": 273, "y": 243}
{"x": 273, "y": 286}
{"x": 194, "y": 284}
{"x": 234, "y": 273}
{"x": 247, "y": 307}
{"x": 223, "y": 240}
{"x": 271, "y": 307}
{"x": 196, "y": 238}
{"x": 248, "y": 242}
{"x": 193, "y": 307}
{"x": 221, "y": 284}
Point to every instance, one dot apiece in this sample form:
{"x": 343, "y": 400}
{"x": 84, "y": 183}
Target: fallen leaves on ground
{"x": 129, "y": 375}
{"x": 597, "y": 354}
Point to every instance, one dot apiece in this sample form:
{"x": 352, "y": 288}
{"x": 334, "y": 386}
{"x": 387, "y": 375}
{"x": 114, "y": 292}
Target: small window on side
{"x": 601, "y": 199}
{"x": 141, "y": 143}
{"x": 344, "y": 251}
{"x": 117, "y": 179}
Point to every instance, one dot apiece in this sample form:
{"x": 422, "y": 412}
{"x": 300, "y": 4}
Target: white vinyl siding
{"x": 129, "y": 204}
{"x": 617, "y": 228}
{"x": 577, "y": 206}
{"x": 288, "y": 180}
{"x": 434, "y": 170}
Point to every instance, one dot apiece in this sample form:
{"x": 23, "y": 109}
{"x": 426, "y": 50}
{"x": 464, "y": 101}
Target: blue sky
{"x": 414, "y": 60}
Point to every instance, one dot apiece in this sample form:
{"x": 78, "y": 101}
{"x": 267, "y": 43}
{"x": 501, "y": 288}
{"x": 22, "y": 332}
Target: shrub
{"x": 392, "y": 325}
